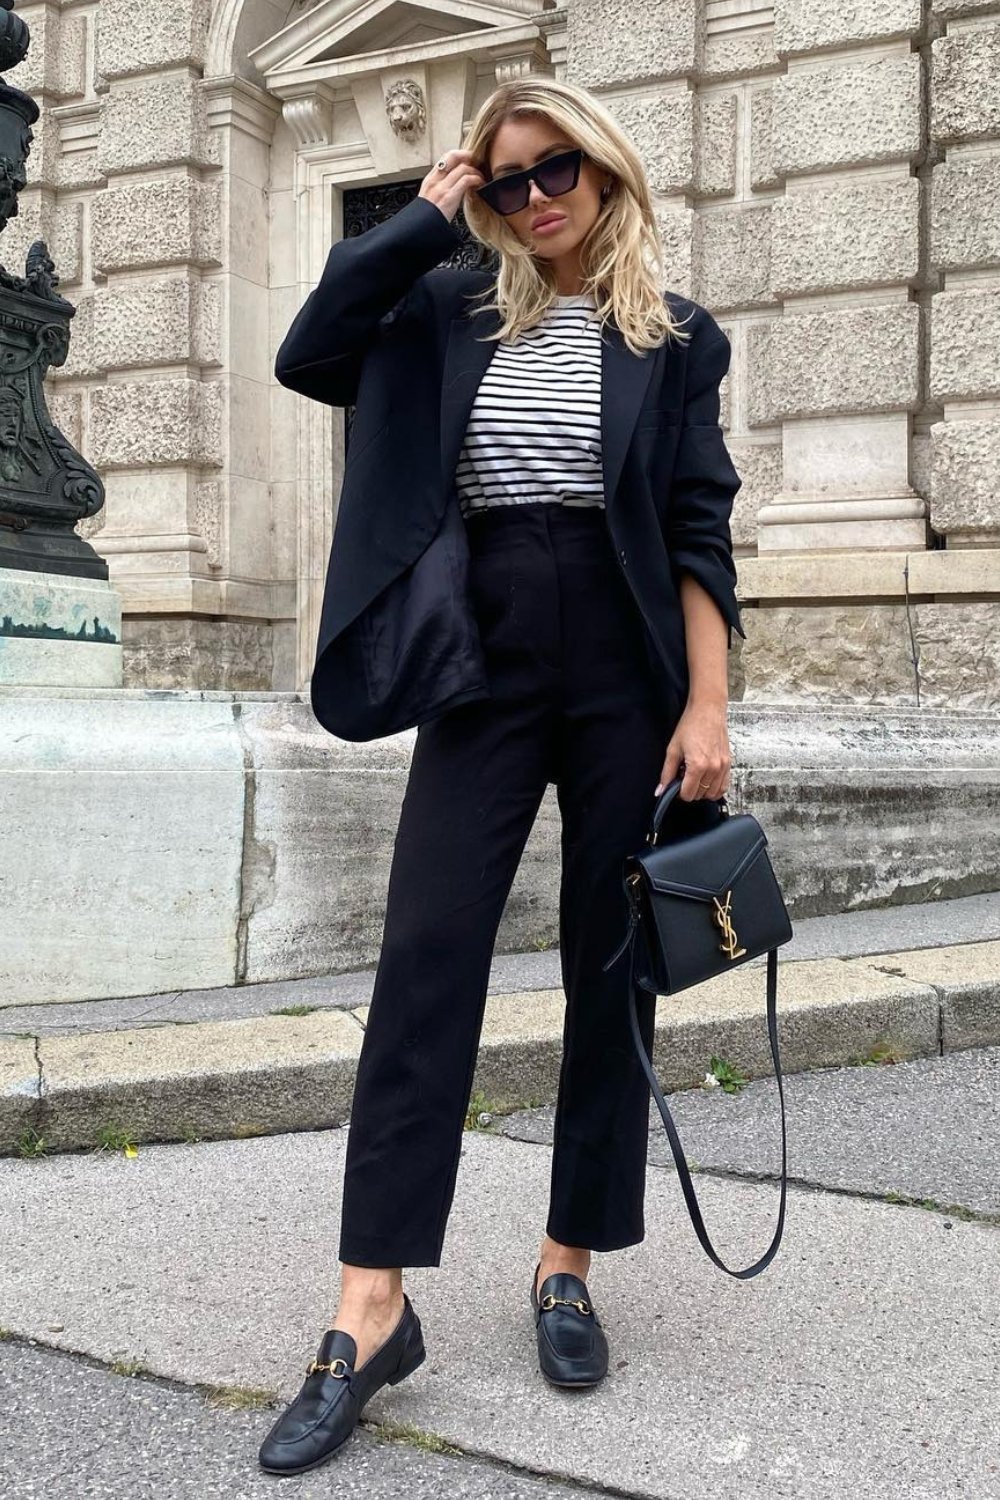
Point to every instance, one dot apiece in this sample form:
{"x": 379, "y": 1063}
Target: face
{"x": 10, "y": 420}
{"x": 519, "y": 144}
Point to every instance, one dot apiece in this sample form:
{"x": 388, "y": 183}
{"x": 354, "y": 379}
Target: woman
{"x": 577, "y": 656}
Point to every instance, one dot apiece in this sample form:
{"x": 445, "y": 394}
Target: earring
{"x": 605, "y": 192}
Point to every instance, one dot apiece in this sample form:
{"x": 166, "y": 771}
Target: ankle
{"x": 367, "y": 1290}
{"x": 554, "y": 1256}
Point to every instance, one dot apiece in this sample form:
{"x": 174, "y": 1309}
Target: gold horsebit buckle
{"x": 313, "y": 1365}
{"x": 548, "y": 1302}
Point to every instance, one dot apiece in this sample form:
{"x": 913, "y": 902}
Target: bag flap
{"x": 707, "y": 864}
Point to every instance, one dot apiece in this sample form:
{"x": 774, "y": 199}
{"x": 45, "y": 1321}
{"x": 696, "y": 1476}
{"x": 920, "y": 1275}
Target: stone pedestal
{"x": 57, "y": 630}
{"x": 192, "y": 840}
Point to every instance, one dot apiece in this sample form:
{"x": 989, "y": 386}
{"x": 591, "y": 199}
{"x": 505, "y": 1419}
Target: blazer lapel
{"x": 465, "y": 363}
{"x": 624, "y": 380}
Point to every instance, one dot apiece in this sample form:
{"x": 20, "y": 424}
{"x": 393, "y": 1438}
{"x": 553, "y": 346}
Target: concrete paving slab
{"x": 81, "y": 1430}
{"x": 213, "y": 1078}
{"x": 925, "y": 1130}
{"x": 19, "y": 1085}
{"x": 863, "y": 1363}
{"x": 967, "y": 978}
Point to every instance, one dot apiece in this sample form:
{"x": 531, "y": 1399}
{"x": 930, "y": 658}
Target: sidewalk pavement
{"x": 863, "y": 1363}
{"x": 902, "y": 982}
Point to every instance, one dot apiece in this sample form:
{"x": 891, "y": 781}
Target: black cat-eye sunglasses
{"x": 555, "y": 175}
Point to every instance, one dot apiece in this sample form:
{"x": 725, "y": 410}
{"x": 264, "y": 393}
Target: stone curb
{"x": 268, "y": 1074}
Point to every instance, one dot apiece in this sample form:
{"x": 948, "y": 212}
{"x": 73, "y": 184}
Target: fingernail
{"x": 659, "y": 789}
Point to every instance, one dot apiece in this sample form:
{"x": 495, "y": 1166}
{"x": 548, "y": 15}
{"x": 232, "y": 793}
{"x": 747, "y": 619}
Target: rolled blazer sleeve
{"x": 366, "y": 286}
{"x": 705, "y": 482}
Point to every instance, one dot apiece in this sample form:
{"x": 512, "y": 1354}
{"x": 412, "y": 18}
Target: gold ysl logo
{"x": 723, "y": 920}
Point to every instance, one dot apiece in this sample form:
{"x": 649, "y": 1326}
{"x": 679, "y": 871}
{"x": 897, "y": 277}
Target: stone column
{"x": 965, "y": 251}
{"x": 156, "y": 417}
{"x": 840, "y": 368}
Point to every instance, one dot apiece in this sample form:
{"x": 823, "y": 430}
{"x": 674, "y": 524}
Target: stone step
{"x": 261, "y": 1074}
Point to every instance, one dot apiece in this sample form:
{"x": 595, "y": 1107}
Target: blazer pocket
{"x": 668, "y": 417}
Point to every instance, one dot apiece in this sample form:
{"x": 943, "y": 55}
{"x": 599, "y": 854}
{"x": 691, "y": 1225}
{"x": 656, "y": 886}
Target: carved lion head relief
{"x": 405, "y": 108}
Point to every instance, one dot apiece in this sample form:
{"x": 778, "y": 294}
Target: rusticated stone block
{"x": 965, "y": 495}
{"x": 965, "y": 214}
{"x": 759, "y": 467}
{"x": 738, "y": 54}
{"x": 171, "y": 321}
{"x": 629, "y": 41}
{"x": 847, "y": 115}
{"x": 66, "y": 410}
{"x": 726, "y": 389}
{"x": 812, "y": 25}
{"x": 661, "y": 127}
{"x": 56, "y": 63}
{"x": 175, "y": 221}
{"x": 733, "y": 258}
{"x": 852, "y": 233}
{"x": 950, "y": 10}
{"x": 80, "y": 360}
{"x": 762, "y": 173}
{"x": 965, "y": 344}
{"x": 156, "y": 422}
{"x": 715, "y": 144}
{"x": 42, "y": 165}
{"x": 856, "y": 359}
{"x": 155, "y": 121}
{"x": 958, "y": 654}
{"x": 141, "y": 38}
{"x": 60, "y": 225}
{"x": 965, "y": 97}
{"x": 678, "y": 228}
{"x": 846, "y": 653}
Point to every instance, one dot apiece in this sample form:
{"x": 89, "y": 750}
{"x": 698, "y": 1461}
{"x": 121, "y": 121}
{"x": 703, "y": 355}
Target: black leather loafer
{"x": 572, "y": 1347}
{"x": 326, "y": 1410}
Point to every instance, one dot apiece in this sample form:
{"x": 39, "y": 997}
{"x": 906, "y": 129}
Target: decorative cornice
{"x": 79, "y": 125}
{"x": 725, "y": 16}
{"x": 519, "y": 58}
{"x": 235, "y": 102}
{"x": 331, "y": 23}
{"x": 493, "y": 41}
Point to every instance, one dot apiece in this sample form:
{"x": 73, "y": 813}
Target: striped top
{"x": 534, "y": 431}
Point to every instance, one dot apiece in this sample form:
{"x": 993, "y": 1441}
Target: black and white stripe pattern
{"x": 534, "y": 432}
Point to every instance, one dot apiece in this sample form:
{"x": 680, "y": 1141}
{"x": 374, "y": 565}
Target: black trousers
{"x": 573, "y": 703}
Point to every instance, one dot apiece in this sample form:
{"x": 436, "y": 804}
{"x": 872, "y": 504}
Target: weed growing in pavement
{"x": 115, "y": 1138}
{"x": 31, "y": 1144}
{"x": 727, "y": 1075}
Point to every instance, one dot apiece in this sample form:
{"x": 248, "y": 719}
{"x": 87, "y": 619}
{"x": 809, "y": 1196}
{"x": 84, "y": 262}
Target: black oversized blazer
{"x": 387, "y": 330}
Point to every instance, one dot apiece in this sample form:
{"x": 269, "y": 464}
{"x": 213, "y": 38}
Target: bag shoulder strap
{"x": 683, "y": 1173}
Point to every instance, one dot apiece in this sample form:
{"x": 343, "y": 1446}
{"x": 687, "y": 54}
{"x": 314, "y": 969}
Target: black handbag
{"x": 699, "y": 904}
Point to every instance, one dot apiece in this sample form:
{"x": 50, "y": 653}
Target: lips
{"x": 548, "y": 219}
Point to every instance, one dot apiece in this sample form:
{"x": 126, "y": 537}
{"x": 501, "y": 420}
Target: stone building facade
{"x": 828, "y": 184}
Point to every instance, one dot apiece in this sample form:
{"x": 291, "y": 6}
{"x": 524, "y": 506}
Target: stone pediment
{"x": 335, "y": 30}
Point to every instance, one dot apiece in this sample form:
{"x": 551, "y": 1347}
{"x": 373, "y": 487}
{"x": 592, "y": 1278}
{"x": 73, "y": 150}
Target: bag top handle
{"x": 667, "y": 796}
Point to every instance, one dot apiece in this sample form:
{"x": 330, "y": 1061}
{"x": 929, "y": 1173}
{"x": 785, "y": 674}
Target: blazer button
{"x": 622, "y": 555}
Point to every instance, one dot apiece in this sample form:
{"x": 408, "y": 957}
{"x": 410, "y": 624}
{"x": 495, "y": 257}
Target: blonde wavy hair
{"x": 622, "y": 255}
